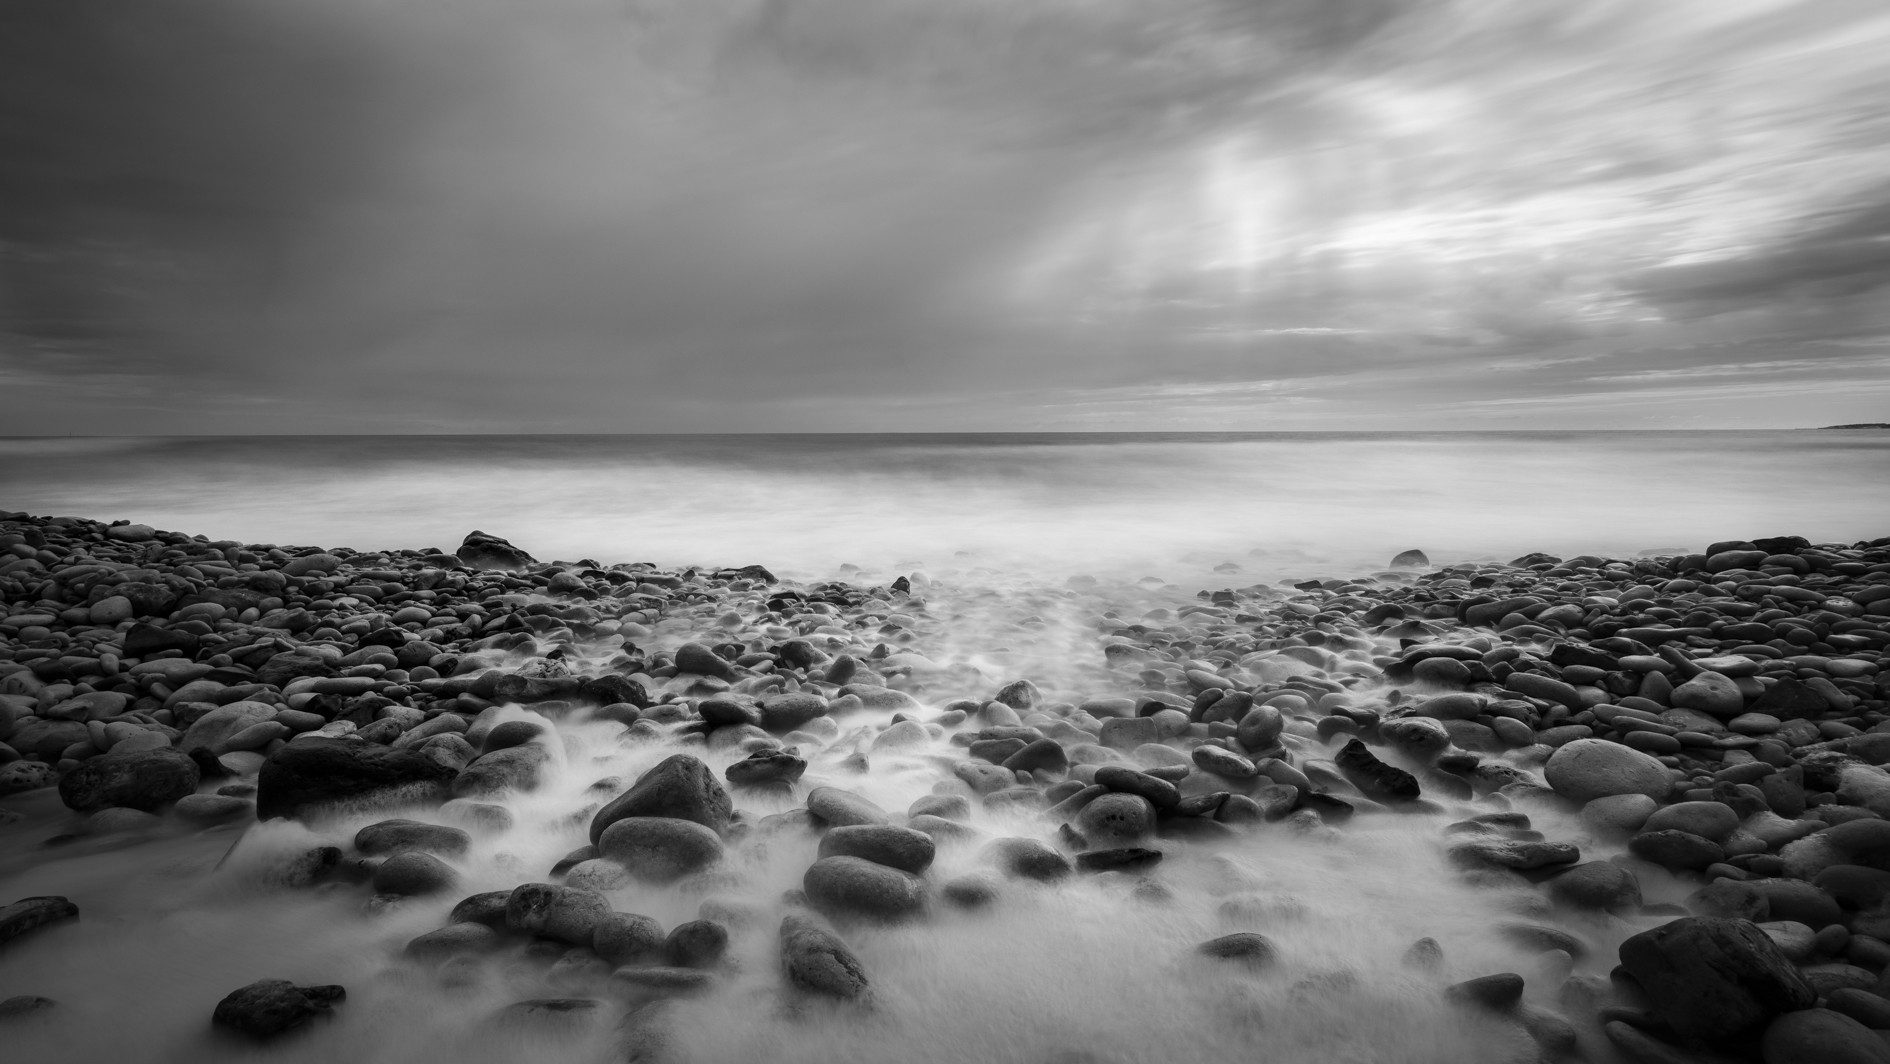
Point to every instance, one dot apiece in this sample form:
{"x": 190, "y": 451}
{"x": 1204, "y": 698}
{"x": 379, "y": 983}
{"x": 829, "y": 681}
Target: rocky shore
{"x": 1718, "y": 719}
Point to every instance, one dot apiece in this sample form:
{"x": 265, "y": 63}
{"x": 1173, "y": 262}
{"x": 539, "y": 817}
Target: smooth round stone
{"x": 839, "y": 808}
{"x": 1244, "y": 947}
{"x": 895, "y": 847}
{"x": 1116, "y": 819}
{"x": 1224, "y": 763}
{"x": 623, "y": 938}
{"x": 1587, "y": 769}
{"x": 1617, "y": 816}
{"x": 1867, "y": 841}
{"x": 854, "y": 886}
{"x": 413, "y": 873}
{"x": 905, "y": 735}
{"x": 659, "y": 849}
{"x": 696, "y": 944}
{"x": 1709, "y": 820}
{"x": 1710, "y": 693}
{"x": 568, "y": 914}
{"x": 1823, "y": 1036}
{"x": 1598, "y": 885}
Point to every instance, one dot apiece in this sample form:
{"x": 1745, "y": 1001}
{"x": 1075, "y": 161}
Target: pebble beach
{"x": 1592, "y": 808}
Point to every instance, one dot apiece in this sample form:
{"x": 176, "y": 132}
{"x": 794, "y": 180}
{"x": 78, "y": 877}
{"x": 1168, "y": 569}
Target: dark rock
{"x": 413, "y": 873}
{"x": 1710, "y": 978}
{"x": 268, "y": 1007}
{"x": 1598, "y": 885}
{"x": 1121, "y": 859}
{"x": 1374, "y": 778}
{"x": 613, "y": 689}
{"x": 1408, "y": 559}
{"x": 895, "y": 847}
{"x": 854, "y": 886}
{"x": 485, "y": 908}
{"x": 815, "y": 960}
{"x": 28, "y": 913}
{"x": 700, "y": 659}
{"x": 1023, "y": 858}
{"x": 1501, "y": 992}
{"x": 568, "y": 914}
{"x": 308, "y": 773}
{"x": 1824, "y": 1036}
{"x": 766, "y": 767}
{"x": 141, "y": 779}
{"x": 481, "y": 551}
{"x": 696, "y": 944}
{"x": 839, "y": 808}
{"x": 626, "y": 938}
{"x": 680, "y": 786}
{"x": 399, "y": 836}
{"x": 1159, "y": 793}
{"x": 660, "y": 849}
{"x": 1245, "y": 947}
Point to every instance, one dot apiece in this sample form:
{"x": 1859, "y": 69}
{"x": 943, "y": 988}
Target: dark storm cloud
{"x": 675, "y": 214}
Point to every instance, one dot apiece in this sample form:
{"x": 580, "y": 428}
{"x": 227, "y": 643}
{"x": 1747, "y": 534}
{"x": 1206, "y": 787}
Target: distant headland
{"x": 1860, "y": 425}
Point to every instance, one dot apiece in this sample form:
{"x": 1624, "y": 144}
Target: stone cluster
{"x": 1719, "y": 717}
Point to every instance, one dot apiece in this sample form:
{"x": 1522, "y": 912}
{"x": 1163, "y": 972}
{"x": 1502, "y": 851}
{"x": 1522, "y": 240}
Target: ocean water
{"x": 1091, "y": 971}
{"x": 1023, "y": 505}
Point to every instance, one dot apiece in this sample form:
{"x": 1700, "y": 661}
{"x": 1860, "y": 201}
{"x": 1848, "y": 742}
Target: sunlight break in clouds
{"x": 580, "y": 215}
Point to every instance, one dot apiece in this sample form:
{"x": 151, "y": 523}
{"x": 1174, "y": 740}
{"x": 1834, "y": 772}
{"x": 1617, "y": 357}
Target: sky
{"x": 385, "y": 216}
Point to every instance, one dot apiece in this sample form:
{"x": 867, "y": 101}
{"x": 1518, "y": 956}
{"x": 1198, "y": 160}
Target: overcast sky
{"x": 734, "y": 215}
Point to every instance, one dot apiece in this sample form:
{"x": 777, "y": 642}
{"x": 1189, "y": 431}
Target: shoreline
{"x": 1720, "y": 716}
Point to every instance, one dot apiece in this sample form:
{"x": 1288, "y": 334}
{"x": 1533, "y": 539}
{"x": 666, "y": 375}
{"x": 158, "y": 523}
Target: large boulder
{"x": 481, "y": 551}
{"x": 308, "y": 773}
{"x": 680, "y": 786}
{"x": 141, "y": 779}
{"x": 1587, "y": 769}
{"x": 1713, "y": 978}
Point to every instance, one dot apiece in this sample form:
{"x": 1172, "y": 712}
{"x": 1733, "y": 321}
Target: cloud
{"x": 777, "y": 214}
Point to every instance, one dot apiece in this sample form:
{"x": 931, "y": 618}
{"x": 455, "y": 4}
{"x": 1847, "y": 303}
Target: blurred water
{"x": 1042, "y": 504}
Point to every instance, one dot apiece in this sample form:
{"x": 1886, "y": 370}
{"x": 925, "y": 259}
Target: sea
{"x": 1094, "y": 970}
{"x": 1017, "y": 505}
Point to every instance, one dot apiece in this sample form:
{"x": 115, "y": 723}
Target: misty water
{"x": 1026, "y": 506}
{"x": 1091, "y": 970}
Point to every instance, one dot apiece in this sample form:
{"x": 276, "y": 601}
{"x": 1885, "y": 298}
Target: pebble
{"x": 855, "y": 887}
{"x": 658, "y": 849}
